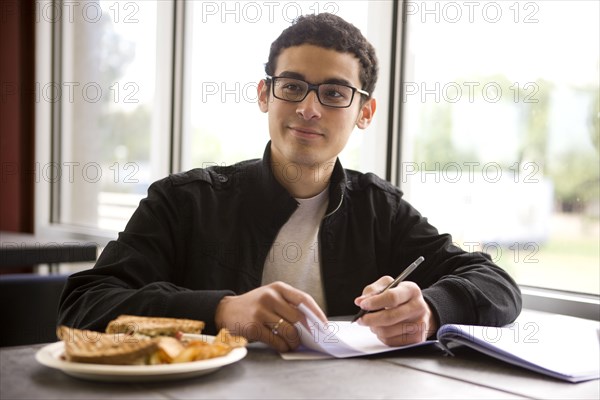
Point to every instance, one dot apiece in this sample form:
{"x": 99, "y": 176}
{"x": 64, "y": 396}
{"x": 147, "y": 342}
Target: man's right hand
{"x": 267, "y": 314}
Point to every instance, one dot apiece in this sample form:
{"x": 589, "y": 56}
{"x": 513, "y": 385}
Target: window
{"x": 500, "y": 133}
{"x": 140, "y": 89}
{"x": 112, "y": 108}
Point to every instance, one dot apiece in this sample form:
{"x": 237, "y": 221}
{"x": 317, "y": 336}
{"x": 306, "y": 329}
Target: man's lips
{"x": 305, "y": 132}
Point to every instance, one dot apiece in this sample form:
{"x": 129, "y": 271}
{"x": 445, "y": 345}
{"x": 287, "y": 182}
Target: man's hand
{"x": 267, "y": 314}
{"x": 403, "y": 317}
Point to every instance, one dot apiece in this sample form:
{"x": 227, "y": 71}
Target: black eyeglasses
{"x": 329, "y": 94}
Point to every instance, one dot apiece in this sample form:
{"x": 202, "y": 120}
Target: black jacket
{"x": 204, "y": 234}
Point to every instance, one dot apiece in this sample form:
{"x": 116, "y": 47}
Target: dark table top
{"x": 263, "y": 374}
{"x": 17, "y": 249}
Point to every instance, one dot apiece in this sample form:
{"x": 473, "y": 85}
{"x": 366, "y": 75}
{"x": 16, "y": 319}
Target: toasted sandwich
{"x": 133, "y": 340}
{"x": 86, "y": 346}
{"x": 153, "y": 326}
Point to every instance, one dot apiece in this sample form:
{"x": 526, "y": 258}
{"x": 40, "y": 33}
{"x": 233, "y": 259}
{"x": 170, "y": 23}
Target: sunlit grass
{"x": 564, "y": 264}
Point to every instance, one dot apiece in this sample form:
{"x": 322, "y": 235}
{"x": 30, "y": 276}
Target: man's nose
{"x": 310, "y": 107}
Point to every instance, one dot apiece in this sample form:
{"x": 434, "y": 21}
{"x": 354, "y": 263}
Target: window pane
{"x": 112, "y": 109}
{"x": 500, "y": 134}
{"x": 223, "y": 124}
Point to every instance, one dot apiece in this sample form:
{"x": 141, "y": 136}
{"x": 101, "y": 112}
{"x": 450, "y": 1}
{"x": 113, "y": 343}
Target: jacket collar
{"x": 337, "y": 188}
{"x": 274, "y": 191}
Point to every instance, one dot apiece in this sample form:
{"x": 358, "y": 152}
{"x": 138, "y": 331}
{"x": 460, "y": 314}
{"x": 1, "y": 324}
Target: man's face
{"x": 308, "y": 133}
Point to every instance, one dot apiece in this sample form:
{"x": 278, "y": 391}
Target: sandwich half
{"x": 153, "y": 326}
{"x": 101, "y": 348}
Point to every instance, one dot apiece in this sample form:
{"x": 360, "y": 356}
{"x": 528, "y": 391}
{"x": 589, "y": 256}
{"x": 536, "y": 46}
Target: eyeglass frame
{"x": 315, "y": 87}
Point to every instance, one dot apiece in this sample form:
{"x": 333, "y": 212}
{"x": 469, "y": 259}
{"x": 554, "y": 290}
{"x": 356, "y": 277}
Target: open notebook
{"x": 557, "y": 346}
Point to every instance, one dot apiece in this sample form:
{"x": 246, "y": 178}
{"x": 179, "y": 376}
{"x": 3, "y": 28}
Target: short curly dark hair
{"x": 331, "y": 32}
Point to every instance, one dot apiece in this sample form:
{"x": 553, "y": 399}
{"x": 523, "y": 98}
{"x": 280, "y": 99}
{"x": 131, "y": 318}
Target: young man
{"x": 242, "y": 246}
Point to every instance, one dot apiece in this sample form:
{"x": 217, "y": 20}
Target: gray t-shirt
{"x": 294, "y": 257}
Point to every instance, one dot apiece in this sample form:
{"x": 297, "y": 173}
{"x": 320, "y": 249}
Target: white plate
{"x": 51, "y": 356}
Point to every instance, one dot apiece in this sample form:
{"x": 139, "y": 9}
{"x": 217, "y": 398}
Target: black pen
{"x": 395, "y": 283}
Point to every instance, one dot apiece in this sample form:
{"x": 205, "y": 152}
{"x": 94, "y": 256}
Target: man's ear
{"x": 366, "y": 113}
{"x": 263, "y": 96}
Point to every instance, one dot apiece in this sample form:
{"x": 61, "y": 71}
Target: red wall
{"x": 17, "y": 117}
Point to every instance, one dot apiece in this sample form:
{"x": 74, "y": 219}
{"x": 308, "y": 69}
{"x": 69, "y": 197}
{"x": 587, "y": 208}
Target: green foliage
{"x": 576, "y": 178}
{"x": 130, "y": 129}
{"x": 119, "y": 127}
{"x": 594, "y": 120}
{"x": 575, "y": 173}
{"x": 434, "y": 140}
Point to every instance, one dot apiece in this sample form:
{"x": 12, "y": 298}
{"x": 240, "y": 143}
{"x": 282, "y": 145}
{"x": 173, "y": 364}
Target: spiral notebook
{"x": 557, "y": 346}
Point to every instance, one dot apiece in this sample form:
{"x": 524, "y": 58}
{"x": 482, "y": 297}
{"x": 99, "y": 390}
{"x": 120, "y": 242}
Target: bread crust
{"x": 86, "y": 346}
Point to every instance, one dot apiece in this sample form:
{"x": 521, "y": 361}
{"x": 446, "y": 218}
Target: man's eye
{"x": 333, "y": 94}
{"x": 291, "y": 87}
